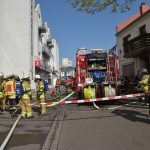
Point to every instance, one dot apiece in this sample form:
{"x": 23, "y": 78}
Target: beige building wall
{"x": 133, "y": 30}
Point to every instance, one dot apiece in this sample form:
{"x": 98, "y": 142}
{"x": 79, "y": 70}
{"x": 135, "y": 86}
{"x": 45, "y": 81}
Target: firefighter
{"x": 57, "y": 85}
{"x": 5, "y": 100}
{"x": 1, "y": 94}
{"x": 145, "y": 85}
{"x": 144, "y": 81}
{"x": 40, "y": 94}
{"x": 19, "y": 89}
{"x": 11, "y": 94}
{"x": 25, "y": 100}
{"x": 67, "y": 84}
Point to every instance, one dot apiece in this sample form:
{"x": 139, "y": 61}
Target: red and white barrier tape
{"x": 98, "y": 99}
{"x": 75, "y": 101}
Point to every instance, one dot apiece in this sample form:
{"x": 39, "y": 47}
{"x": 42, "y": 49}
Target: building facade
{"x": 66, "y": 62}
{"x": 66, "y": 72}
{"x": 25, "y": 40}
{"x": 55, "y": 74}
{"x": 133, "y": 42}
{"x": 42, "y": 45}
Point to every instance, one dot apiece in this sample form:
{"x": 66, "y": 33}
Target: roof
{"x": 144, "y": 9}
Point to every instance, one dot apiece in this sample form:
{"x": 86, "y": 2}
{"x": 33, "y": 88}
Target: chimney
{"x": 141, "y": 8}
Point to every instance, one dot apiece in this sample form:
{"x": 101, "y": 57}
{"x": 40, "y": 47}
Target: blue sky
{"x": 74, "y": 29}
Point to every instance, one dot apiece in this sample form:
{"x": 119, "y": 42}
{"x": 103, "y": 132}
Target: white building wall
{"x": 37, "y": 24}
{"x": 69, "y": 63}
{"x": 133, "y": 30}
{"x": 15, "y": 37}
{"x": 64, "y": 61}
{"x": 55, "y": 52}
{"x": 41, "y": 42}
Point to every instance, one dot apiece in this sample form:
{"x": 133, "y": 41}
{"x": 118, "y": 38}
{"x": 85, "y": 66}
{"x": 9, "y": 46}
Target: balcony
{"x": 42, "y": 29}
{"x": 46, "y": 52}
{"x": 50, "y": 45}
{"x": 49, "y": 40}
{"x": 44, "y": 68}
{"x": 137, "y": 46}
{"x": 48, "y": 68}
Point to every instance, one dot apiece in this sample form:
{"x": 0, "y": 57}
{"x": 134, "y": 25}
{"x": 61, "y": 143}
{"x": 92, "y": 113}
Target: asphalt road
{"x": 126, "y": 128}
{"x": 81, "y": 128}
{"x": 29, "y": 134}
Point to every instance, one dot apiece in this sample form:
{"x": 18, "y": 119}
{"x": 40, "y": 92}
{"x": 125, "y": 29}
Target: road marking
{"x": 52, "y": 139}
{"x": 10, "y": 133}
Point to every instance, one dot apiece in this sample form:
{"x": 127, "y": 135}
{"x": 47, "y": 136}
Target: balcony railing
{"x": 49, "y": 40}
{"x": 48, "y": 68}
{"x": 137, "y": 46}
{"x": 50, "y": 45}
{"x": 42, "y": 29}
{"x": 46, "y": 52}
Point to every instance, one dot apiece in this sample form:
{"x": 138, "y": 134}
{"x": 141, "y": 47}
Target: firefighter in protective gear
{"x": 25, "y": 101}
{"x": 144, "y": 81}
{"x": 40, "y": 94}
{"x": 145, "y": 86}
{"x": 11, "y": 94}
{"x": 19, "y": 90}
{"x": 5, "y": 101}
{"x": 57, "y": 85}
{"x": 1, "y": 94}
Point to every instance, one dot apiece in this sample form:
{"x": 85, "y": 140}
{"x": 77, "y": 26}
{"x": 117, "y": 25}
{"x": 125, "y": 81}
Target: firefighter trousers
{"x": 26, "y": 108}
{"x": 42, "y": 106}
{"x": 13, "y": 108}
{"x": 5, "y": 103}
{"x": 1, "y": 104}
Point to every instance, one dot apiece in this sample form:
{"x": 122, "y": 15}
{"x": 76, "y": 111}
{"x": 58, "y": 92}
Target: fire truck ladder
{"x": 110, "y": 68}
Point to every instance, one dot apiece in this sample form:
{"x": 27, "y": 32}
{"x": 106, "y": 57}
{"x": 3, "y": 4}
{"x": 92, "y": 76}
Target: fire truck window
{"x": 83, "y": 70}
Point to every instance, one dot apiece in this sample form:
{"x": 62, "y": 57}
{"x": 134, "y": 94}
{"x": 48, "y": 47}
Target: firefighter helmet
{"x": 37, "y": 76}
{"x": 26, "y": 77}
{"x": 144, "y": 70}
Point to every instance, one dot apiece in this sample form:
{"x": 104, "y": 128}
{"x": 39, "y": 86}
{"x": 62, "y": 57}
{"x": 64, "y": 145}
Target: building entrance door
{"x": 128, "y": 70}
{"x": 146, "y": 60}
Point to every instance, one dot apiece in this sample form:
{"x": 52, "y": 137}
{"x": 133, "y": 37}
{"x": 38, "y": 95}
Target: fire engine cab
{"x": 97, "y": 73}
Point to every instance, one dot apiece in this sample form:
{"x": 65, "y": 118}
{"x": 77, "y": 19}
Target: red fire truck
{"x": 97, "y": 73}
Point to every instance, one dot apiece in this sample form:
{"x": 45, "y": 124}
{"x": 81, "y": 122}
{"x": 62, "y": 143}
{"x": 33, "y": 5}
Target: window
{"x": 126, "y": 38}
{"x": 142, "y": 30}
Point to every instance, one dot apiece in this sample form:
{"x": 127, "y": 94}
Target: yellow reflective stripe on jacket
{"x": 40, "y": 86}
{"x": 144, "y": 83}
{"x": 4, "y": 85}
{"x": 26, "y": 88}
{"x": 1, "y": 94}
{"x": 145, "y": 79}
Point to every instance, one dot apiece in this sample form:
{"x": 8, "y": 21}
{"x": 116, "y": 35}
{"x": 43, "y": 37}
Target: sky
{"x": 73, "y": 29}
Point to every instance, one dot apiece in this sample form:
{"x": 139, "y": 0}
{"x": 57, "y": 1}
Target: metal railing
{"x": 137, "y": 45}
